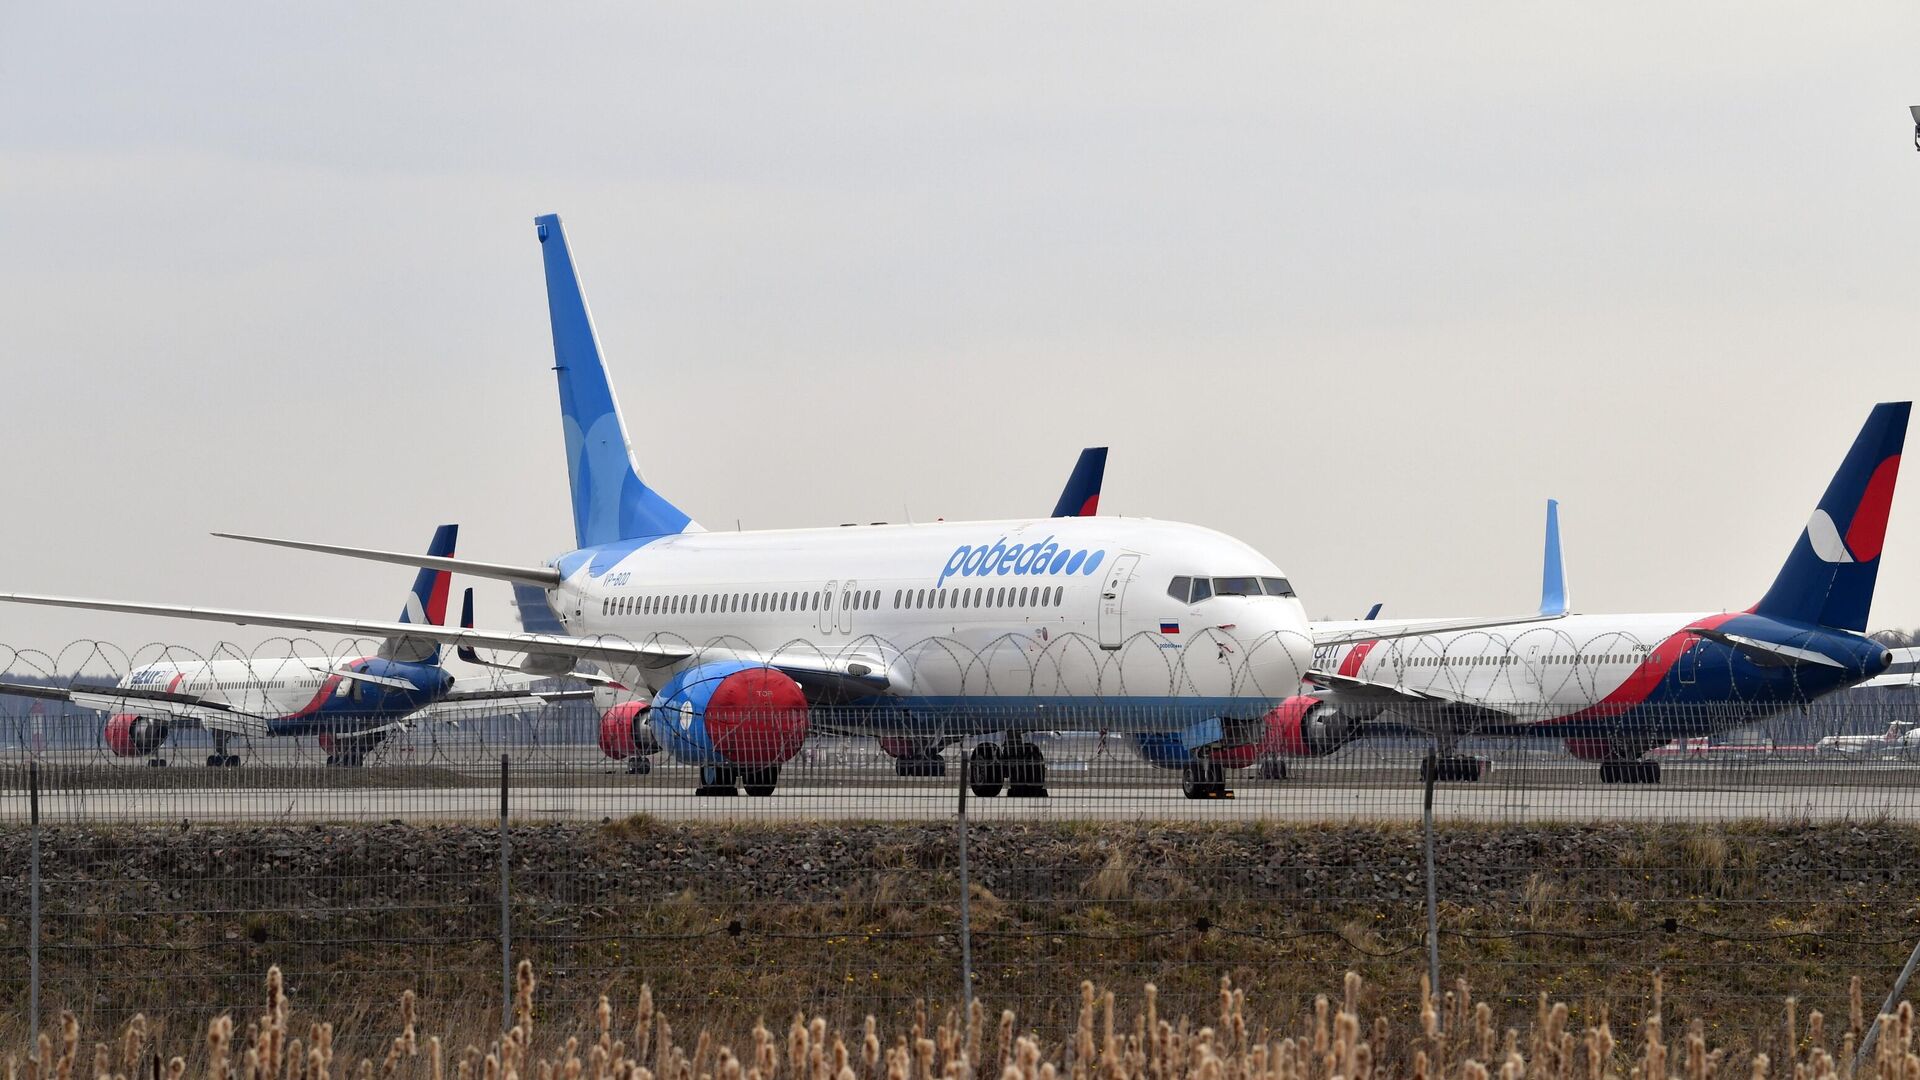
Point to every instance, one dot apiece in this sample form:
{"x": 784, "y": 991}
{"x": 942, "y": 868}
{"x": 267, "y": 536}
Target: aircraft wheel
{"x": 639, "y": 766}
{"x": 760, "y": 782}
{"x": 934, "y": 765}
{"x": 717, "y": 780}
{"x": 156, "y": 763}
{"x": 1453, "y": 770}
{"x": 1203, "y": 780}
{"x": 1026, "y": 772}
{"x": 1273, "y": 768}
{"x": 986, "y": 772}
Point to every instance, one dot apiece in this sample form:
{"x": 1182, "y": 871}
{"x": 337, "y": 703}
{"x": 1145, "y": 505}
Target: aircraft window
{"x": 1023, "y": 596}
{"x": 896, "y": 599}
{"x": 603, "y": 607}
{"x": 1003, "y": 596}
{"x": 1202, "y": 589}
{"x": 1180, "y": 588}
{"x": 1236, "y": 586}
{"x": 1277, "y": 586}
{"x": 1059, "y": 594}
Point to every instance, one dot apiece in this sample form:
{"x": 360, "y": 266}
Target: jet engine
{"x": 133, "y": 735}
{"x": 730, "y": 713}
{"x": 625, "y": 733}
{"x": 1305, "y": 726}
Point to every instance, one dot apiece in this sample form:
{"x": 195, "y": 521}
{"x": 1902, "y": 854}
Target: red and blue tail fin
{"x": 1829, "y": 578}
{"x": 1082, "y": 495}
{"x": 427, "y": 603}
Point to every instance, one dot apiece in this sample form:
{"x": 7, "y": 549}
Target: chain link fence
{"x": 1769, "y": 858}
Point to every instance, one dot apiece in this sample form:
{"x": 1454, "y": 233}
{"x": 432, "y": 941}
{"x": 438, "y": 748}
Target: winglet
{"x": 1081, "y": 498}
{"x": 1553, "y": 571}
{"x": 1372, "y": 614}
{"x": 467, "y": 652}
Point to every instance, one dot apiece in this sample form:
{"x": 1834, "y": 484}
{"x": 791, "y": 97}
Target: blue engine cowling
{"x": 730, "y": 712}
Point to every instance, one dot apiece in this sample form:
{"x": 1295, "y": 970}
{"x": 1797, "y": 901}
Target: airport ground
{"x": 849, "y": 780}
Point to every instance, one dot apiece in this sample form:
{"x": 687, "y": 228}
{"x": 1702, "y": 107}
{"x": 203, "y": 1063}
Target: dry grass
{"x": 1454, "y": 1038}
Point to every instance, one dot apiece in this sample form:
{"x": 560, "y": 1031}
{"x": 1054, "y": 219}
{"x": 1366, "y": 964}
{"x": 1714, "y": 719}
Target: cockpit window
{"x": 1198, "y": 589}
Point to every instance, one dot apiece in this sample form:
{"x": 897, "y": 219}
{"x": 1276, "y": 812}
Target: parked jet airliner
{"x": 1614, "y": 687}
{"x": 747, "y": 639}
{"x": 352, "y": 705}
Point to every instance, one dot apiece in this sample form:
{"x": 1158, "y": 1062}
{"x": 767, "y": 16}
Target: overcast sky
{"x": 1362, "y": 285}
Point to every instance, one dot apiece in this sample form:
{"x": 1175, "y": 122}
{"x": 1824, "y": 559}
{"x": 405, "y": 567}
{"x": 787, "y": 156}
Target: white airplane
{"x": 626, "y": 736}
{"x": 1901, "y": 737}
{"x": 1614, "y": 687}
{"x": 746, "y": 640}
{"x": 350, "y": 703}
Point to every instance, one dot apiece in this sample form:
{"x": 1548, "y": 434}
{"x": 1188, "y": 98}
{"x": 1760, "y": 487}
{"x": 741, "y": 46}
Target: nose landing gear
{"x": 1630, "y": 772}
{"x": 1204, "y": 780}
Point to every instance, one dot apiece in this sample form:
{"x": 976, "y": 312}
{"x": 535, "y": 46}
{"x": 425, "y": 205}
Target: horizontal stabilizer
{"x": 373, "y": 680}
{"x": 544, "y": 576}
{"x": 1352, "y": 633}
{"x": 1766, "y": 653}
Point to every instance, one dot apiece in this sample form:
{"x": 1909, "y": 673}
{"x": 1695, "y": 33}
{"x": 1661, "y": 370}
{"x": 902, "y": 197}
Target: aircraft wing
{"x": 1354, "y": 632}
{"x": 187, "y": 710}
{"x": 824, "y": 678}
{"x": 613, "y": 649}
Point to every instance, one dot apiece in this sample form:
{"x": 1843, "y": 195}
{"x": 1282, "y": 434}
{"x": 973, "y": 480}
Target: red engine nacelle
{"x": 1304, "y": 726}
{"x": 757, "y": 717}
{"x": 624, "y": 733}
{"x": 133, "y": 735}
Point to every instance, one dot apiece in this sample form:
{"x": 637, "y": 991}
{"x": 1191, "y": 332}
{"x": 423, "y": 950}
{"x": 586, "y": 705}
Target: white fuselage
{"x": 1050, "y": 611}
{"x": 1544, "y": 668}
{"x": 274, "y": 687}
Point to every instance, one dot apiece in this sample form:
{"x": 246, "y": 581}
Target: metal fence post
{"x": 1433, "y": 906}
{"x": 1892, "y": 1002}
{"x": 506, "y": 910}
{"x": 33, "y": 903}
{"x": 966, "y": 900}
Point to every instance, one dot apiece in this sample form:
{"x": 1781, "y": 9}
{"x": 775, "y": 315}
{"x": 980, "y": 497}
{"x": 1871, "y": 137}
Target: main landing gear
{"x": 1453, "y": 769}
{"x": 1018, "y": 766}
{"x": 1629, "y": 772}
{"x": 638, "y": 765}
{"x": 1273, "y": 768}
{"x": 1204, "y": 780}
{"x": 729, "y": 780}
{"x": 929, "y": 764}
{"x": 219, "y": 759}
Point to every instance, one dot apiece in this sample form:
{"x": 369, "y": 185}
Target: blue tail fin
{"x": 610, "y": 501}
{"x": 427, "y": 601}
{"x": 1082, "y": 495}
{"x": 1828, "y": 580}
{"x": 1553, "y": 570}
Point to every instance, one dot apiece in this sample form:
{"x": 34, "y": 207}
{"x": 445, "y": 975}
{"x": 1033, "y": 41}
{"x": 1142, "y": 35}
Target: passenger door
{"x": 844, "y": 621}
{"x": 1113, "y": 598}
{"x": 829, "y": 603}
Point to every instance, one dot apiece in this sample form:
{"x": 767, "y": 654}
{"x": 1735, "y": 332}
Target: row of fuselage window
{"x": 1507, "y": 661}
{"x": 1006, "y": 596}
